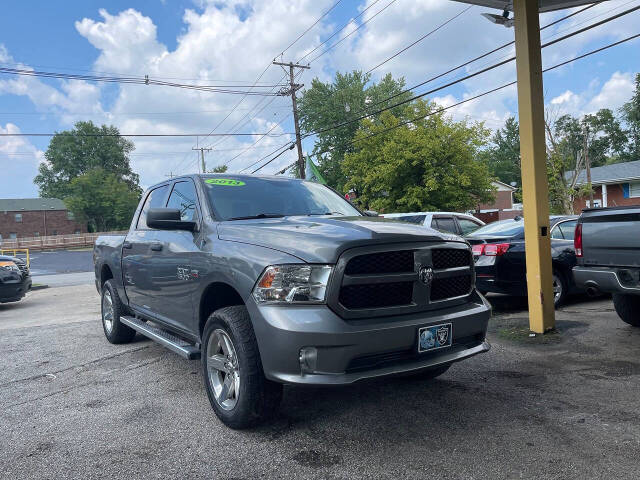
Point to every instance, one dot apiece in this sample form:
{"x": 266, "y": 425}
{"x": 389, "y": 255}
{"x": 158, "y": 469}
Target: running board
{"x": 163, "y": 337}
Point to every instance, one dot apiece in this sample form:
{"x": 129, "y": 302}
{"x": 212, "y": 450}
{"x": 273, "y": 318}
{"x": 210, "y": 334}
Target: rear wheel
{"x": 628, "y": 308}
{"x": 560, "y": 288}
{"x": 239, "y": 393}
{"x": 112, "y": 309}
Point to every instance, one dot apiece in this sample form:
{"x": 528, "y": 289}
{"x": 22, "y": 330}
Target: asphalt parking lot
{"x": 559, "y": 406}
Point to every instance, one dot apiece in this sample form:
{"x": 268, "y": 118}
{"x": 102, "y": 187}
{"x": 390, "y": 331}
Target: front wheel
{"x": 628, "y": 308}
{"x": 239, "y": 393}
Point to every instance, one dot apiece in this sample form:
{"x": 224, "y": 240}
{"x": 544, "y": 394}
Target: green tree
{"x": 631, "y": 116}
{"x": 101, "y": 199}
{"x": 349, "y": 96}
{"x": 218, "y": 169}
{"x": 75, "y": 152}
{"x": 429, "y": 164}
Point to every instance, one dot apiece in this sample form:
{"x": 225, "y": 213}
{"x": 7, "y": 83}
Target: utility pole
{"x": 202, "y": 150}
{"x": 171, "y": 175}
{"x": 293, "y": 87}
{"x": 587, "y": 163}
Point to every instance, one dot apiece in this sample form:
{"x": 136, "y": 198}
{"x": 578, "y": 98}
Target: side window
{"x": 445, "y": 224}
{"x": 557, "y": 233}
{"x": 184, "y": 198}
{"x": 467, "y": 226}
{"x": 417, "y": 219}
{"x": 155, "y": 199}
{"x": 568, "y": 229}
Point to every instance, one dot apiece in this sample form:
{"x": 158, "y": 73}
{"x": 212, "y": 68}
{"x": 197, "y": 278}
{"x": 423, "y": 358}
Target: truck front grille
{"x": 382, "y": 262}
{"x": 371, "y": 282}
{"x": 376, "y": 295}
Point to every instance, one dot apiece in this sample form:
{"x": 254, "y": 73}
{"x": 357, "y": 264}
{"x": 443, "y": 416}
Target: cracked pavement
{"x": 558, "y": 406}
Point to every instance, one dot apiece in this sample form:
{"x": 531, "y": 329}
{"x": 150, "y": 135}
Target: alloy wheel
{"x": 557, "y": 288}
{"x": 222, "y": 368}
{"x": 107, "y": 311}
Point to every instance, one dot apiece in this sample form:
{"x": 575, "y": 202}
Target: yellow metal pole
{"x": 535, "y": 188}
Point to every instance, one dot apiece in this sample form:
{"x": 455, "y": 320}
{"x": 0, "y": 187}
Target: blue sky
{"x": 208, "y": 42}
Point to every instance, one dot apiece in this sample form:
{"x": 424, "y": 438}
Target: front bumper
{"x": 349, "y": 351}
{"x": 608, "y": 280}
{"x": 495, "y": 285}
{"x": 12, "y": 291}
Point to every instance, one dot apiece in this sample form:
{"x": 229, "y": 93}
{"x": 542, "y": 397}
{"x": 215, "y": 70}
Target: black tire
{"x": 560, "y": 280}
{"x": 628, "y": 308}
{"x": 115, "y": 331}
{"x": 431, "y": 373}
{"x": 256, "y": 398}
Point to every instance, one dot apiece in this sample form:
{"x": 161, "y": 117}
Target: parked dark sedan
{"x": 498, "y": 250}
{"x": 15, "y": 280}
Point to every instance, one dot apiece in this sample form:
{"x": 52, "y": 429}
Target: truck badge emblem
{"x": 443, "y": 335}
{"x": 426, "y": 275}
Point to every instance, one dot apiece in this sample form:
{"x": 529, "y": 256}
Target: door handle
{"x": 127, "y": 245}
{"x": 156, "y": 246}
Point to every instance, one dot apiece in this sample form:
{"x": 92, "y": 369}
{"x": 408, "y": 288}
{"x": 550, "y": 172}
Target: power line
{"x": 135, "y": 81}
{"x": 288, "y": 145}
{"x": 337, "y": 31}
{"x": 352, "y": 32}
{"x": 259, "y": 168}
{"x": 307, "y": 30}
{"x": 442, "y": 25}
{"x": 123, "y": 114}
{"x": 466, "y": 77}
{"x": 62, "y": 134}
{"x": 475, "y": 97}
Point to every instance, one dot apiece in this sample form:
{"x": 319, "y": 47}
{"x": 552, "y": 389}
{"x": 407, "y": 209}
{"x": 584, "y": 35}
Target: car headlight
{"x": 293, "y": 284}
{"x": 5, "y": 265}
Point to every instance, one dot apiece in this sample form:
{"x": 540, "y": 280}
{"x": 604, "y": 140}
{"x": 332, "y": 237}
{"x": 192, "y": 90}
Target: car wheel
{"x": 238, "y": 391}
{"x": 430, "y": 373}
{"x": 111, "y": 309}
{"x": 560, "y": 289}
{"x": 628, "y": 308}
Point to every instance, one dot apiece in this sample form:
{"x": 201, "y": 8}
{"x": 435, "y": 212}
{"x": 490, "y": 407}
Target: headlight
{"x": 9, "y": 266}
{"x": 293, "y": 284}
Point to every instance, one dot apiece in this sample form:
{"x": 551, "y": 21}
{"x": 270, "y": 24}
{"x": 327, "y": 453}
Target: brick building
{"x": 36, "y": 217}
{"x": 501, "y": 208}
{"x": 613, "y": 185}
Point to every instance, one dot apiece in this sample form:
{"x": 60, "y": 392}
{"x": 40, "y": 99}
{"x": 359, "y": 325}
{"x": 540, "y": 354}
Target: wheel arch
{"x": 215, "y": 296}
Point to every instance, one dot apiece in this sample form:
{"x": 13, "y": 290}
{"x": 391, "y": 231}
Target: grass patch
{"x": 522, "y": 334}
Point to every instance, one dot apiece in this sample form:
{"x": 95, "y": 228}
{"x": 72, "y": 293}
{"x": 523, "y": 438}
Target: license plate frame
{"x": 432, "y": 338}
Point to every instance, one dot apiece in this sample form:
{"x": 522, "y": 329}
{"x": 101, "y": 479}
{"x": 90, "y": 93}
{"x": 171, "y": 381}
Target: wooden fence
{"x": 54, "y": 241}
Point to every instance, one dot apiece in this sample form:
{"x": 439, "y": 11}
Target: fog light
{"x": 308, "y": 359}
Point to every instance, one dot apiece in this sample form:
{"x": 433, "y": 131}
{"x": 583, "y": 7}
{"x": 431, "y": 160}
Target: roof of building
{"x": 509, "y": 187}
{"x": 615, "y": 173}
{"x": 30, "y": 204}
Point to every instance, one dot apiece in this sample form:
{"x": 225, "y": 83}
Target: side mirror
{"x": 371, "y": 213}
{"x": 168, "y": 219}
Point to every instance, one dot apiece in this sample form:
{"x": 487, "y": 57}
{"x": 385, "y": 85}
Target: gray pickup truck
{"x": 607, "y": 244}
{"x": 272, "y": 281}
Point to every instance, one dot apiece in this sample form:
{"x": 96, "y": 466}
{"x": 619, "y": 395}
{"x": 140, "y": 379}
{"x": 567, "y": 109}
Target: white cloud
{"x": 617, "y": 90}
{"x": 19, "y": 160}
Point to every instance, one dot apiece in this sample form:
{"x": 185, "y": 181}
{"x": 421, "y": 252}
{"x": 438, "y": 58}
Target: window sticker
{"x": 224, "y": 182}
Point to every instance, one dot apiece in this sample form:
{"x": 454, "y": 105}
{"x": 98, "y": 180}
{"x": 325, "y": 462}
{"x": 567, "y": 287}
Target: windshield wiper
{"x": 260, "y": 215}
{"x": 324, "y": 213}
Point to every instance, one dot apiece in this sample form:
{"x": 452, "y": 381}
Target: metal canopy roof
{"x": 543, "y": 5}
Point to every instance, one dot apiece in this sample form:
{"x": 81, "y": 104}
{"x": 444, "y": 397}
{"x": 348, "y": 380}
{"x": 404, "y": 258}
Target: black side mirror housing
{"x": 168, "y": 219}
{"x": 371, "y": 213}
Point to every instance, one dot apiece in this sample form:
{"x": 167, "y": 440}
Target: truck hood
{"x": 323, "y": 239}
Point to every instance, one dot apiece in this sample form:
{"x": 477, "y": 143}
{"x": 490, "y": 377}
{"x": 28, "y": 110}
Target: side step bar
{"x": 163, "y": 337}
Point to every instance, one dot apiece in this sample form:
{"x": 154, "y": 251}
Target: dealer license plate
{"x": 434, "y": 337}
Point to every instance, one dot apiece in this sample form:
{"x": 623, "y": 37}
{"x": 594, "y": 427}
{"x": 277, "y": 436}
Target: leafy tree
{"x": 349, "y": 96}
{"x": 428, "y": 164}
{"x": 75, "y": 152}
{"x": 101, "y": 199}
{"x": 631, "y": 116}
{"x": 503, "y": 156}
{"x": 218, "y": 169}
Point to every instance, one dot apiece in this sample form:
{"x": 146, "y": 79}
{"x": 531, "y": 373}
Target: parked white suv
{"x": 453, "y": 222}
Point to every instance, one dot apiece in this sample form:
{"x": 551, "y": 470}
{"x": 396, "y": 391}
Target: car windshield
{"x": 235, "y": 198}
{"x": 503, "y": 228}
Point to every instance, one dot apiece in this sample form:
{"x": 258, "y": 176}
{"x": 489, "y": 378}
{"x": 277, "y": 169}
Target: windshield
{"x": 504, "y": 228}
{"x": 247, "y": 197}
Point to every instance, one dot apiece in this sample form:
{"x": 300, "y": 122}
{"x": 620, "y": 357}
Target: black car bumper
{"x": 14, "y": 291}
{"x": 495, "y": 285}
